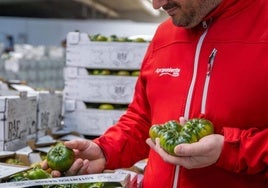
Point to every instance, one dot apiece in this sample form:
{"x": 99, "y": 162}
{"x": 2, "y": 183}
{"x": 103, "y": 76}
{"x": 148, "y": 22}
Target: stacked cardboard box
{"x": 28, "y": 116}
{"x": 17, "y": 121}
{"x": 49, "y": 112}
{"x": 88, "y": 86}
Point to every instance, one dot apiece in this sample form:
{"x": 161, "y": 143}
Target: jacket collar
{"x": 227, "y": 8}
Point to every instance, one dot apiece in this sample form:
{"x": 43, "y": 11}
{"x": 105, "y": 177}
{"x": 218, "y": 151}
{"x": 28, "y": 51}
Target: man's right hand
{"x": 89, "y": 158}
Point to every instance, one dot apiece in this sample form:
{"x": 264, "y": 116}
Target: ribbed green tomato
{"x": 18, "y": 177}
{"x": 200, "y": 127}
{"x": 173, "y": 125}
{"x": 188, "y": 137}
{"x": 158, "y": 129}
{"x": 37, "y": 173}
{"x": 171, "y": 133}
{"x": 60, "y": 158}
{"x": 169, "y": 140}
{"x": 155, "y": 131}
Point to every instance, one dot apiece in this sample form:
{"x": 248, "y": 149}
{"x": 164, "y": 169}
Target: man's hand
{"x": 199, "y": 154}
{"x": 89, "y": 158}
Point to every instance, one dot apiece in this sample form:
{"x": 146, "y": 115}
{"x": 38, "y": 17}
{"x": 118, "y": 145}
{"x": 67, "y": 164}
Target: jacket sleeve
{"x": 124, "y": 143}
{"x": 245, "y": 151}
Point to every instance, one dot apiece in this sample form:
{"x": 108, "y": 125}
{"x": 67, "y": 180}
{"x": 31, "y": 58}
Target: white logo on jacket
{"x": 174, "y": 72}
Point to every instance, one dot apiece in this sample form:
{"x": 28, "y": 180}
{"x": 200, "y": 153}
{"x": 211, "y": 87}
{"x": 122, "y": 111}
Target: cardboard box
{"x": 133, "y": 182}
{"x": 97, "y": 88}
{"x": 21, "y": 160}
{"x": 7, "y": 170}
{"x": 82, "y": 52}
{"x": 17, "y": 121}
{"x": 49, "y": 112}
{"x": 49, "y": 107}
{"x": 120, "y": 179}
{"x": 88, "y": 121}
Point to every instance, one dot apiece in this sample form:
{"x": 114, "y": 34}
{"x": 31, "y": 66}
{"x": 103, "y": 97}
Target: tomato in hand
{"x": 199, "y": 126}
{"x": 172, "y": 133}
{"x": 169, "y": 140}
{"x": 155, "y": 131}
{"x": 158, "y": 129}
{"x": 60, "y": 158}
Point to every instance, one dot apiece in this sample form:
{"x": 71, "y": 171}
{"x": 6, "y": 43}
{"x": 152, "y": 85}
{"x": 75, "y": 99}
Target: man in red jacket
{"x": 209, "y": 60}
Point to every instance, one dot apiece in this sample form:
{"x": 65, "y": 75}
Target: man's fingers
{"x": 77, "y": 144}
{"x": 55, "y": 174}
{"x": 44, "y": 164}
{"x": 202, "y": 147}
{"x": 193, "y": 149}
{"x": 74, "y": 169}
{"x": 84, "y": 168}
{"x": 150, "y": 142}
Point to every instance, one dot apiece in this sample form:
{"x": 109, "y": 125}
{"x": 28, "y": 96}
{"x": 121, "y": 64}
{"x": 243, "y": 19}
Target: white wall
{"x": 53, "y": 31}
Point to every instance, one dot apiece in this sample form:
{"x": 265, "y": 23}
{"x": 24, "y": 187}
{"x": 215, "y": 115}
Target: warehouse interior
{"x": 117, "y": 94}
{"x": 57, "y": 83}
{"x": 135, "y": 10}
{"x": 32, "y": 21}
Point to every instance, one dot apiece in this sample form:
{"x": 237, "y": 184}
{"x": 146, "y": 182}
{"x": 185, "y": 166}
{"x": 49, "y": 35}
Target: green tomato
{"x": 155, "y": 131}
{"x": 172, "y": 133}
{"x": 37, "y": 173}
{"x": 169, "y": 140}
{"x": 112, "y": 38}
{"x": 106, "y": 107}
{"x": 158, "y": 129}
{"x": 18, "y": 177}
{"x": 92, "y": 185}
{"x": 62, "y": 186}
{"x": 60, "y": 158}
{"x": 101, "y": 38}
{"x": 173, "y": 125}
{"x": 188, "y": 137}
{"x": 123, "y": 73}
{"x": 14, "y": 161}
{"x": 139, "y": 39}
{"x": 135, "y": 73}
{"x": 200, "y": 127}
{"x": 101, "y": 72}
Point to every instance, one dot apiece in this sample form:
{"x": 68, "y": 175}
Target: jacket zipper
{"x": 190, "y": 93}
{"x": 210, "y": 65}
{"x": 191, "y": 89}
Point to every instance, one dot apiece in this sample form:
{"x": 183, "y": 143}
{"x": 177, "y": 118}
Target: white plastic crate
{"x": 88, "y": 121}
{"x": 98, "y": 88}
{"x": 82, "y": 52}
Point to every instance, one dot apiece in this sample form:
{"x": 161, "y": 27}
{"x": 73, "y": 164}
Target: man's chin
{"x": 184, "y": 25}
{"x": 177, "y": 23}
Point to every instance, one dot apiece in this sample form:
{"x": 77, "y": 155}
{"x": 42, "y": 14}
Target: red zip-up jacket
{"x": 219, "y": 70}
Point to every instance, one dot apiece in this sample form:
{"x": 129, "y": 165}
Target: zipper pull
{"x": 204, "y": 25}
{"x": 211, "y": 61}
